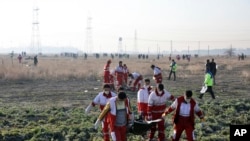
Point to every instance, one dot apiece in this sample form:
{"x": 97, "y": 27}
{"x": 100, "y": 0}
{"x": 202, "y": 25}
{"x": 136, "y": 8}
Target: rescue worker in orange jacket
{"x": 156, "y": 106}
{"x": 106, "y": 75}
{"x": 157, "y": 76}
{"x": 126, "y": 73}
{"x": 119, "y": 73}
{"x": 142, "y": 99}
{"x": 185, "y": 109}
{"x": 112, "y": 79}
{"x": 136, "y": 78}
{"x": 102, "y": 99}
{"x": 119, "y": 113}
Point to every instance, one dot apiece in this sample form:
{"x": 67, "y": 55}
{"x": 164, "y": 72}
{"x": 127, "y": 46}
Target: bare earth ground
{"x": 79, "y": 92}
{"x": 230, "y": 84}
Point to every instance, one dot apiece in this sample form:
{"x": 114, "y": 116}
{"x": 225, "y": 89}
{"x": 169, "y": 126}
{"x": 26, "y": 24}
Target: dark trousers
{"x": 210, "y": 90}
{"x": 171, "y": 74}
{"x": 214, "y": 79}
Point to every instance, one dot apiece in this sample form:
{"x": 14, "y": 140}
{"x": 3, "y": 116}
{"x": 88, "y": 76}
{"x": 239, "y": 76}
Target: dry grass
{"x": 53, "y": 67}
{"x": 60, "y": 100}
{"x": 246, "y": 75}
{"x": 49, "y": 68}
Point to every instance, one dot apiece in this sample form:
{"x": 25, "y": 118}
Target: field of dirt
{"x": 232, "y": 82}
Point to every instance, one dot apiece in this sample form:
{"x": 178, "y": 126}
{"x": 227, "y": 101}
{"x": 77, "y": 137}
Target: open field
{"x": 47, "y": 102}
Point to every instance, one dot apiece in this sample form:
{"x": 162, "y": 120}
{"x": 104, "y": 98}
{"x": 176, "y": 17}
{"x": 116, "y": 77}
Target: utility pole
{"x": 120, "y": 51}
{"x": 135, "y": 42}
{"x": 89, "y": 41}
{"x": 35, "y": 38}
{"x": 171, "y": 48}
{"x": 198, "y": 48}
{"x": 158, "y": 49}
{"x": 208, "y": 50}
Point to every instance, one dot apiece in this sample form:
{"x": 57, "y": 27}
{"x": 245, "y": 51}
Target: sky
{"x": 143, "y": 25}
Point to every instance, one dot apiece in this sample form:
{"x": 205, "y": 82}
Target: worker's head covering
{"x": 152, "y": 66}
{"x": 122, "y": 95}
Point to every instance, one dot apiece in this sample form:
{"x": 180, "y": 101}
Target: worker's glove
{"x": 163, "y": 115}
{"x": 203, "y": 122}
{"x": 131, "y": 117}
{"x": 87, "y": 110}
{"x": 203, "y": 119}
{"x": 97, "y": 123}
{"x": 113, "y": 136}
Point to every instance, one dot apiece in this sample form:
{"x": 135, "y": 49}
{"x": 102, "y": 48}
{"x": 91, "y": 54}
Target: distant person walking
{"x": 208, "y": 82}
{"x": 20, "y": 58}
{"x": 35, "y": 60}
{"x": 213, "y": 69}
{"x": 185, "y": 108}
{"x": 173, "y": 68}
{"x": 157, "y": 76}
{"x": 207, "y": 65}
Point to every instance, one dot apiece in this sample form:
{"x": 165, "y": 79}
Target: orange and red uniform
{"x": 157, "y": 75}
{"x": 126, "y": 72}
{"x": 136, "y": 78}
{"x": 142, "y": 100}
{"x": 118, "y": 133}
{"x": 156, "y": 107}
{"x": 184, "y": 117}
{"x": 119, "y": 73}
{"x": 102, "y": 99}
{"x": 106, "y": 75}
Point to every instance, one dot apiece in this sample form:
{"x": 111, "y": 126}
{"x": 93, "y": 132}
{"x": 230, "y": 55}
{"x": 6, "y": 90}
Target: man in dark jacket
{"x": 207, "y": 65}
{"x": 213, "y": 69}
{"x": 35, "y": 60}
